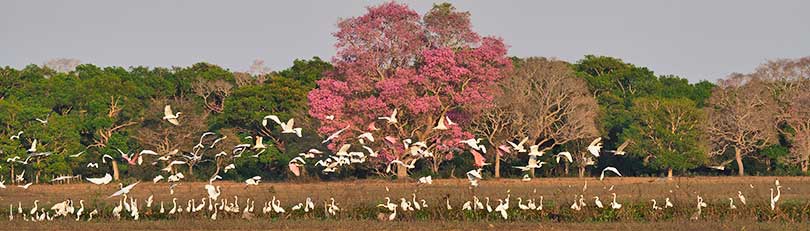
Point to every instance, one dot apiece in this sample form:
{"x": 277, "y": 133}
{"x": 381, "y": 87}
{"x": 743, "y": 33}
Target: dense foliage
{"x": 429, "y": 68}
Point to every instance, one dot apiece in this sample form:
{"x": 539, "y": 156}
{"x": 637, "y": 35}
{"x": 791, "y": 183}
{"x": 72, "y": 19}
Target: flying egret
{"x": 612, "y": 169}
{"x": 473, "y": 176}
{"x": 213, "y": 192}
{"x": 334, "y": 135}
{"x": 92, "y": 165}
{"x": 101, "y": 180}
{"x": 168, "y": 115}
{"x": 77, "y": 154}
{"x": 595, "y": 147}
{"x": 520, "y": 146}
{"x": 253, "y": 180}
{"x": 14, "y": 137}
{"x": 390, "y": 119}
{"x": 620, "y": 150}
{"x": 124, "y": 190}
{"x": 33, "y": 146}
{"x": 25, "y": 186}
{"x": 567, "y": 156}
{"x": 440, "y": 125}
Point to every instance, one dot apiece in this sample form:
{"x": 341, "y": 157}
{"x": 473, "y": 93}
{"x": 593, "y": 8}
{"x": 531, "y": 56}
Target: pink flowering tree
{"x": 425, "y": 68}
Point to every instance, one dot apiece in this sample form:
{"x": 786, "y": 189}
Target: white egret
{"x": 595, "y": 147}
{"x": 520, "y": 146}
{"x": 25, "y": 186}
{"x": 334, "y": 135}
{"x": 612, "y": 169}
{"x": 158, "y": 178}
{"x": 620, "y": 150}
{"x": 253, "y": 180}
{"x": 124, "y": 190}
{"x": 106, "y": 179}
{"x": 168, "y": 115}
{"x": 473, "y": 176}
{"x": 390, "y": 119}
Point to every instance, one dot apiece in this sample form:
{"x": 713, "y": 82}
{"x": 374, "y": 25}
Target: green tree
{"x": 666, "y": 134}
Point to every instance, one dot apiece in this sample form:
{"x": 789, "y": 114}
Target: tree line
{"x": 432, "y": 69}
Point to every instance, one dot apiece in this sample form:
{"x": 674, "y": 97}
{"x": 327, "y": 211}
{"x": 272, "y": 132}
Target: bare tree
{"x": 259, "y": 68}
{"x": 495, "y": 126}
{"x": 545, "y": 101}
{"x": 798, "y": 118}
{"x": 245, "y": 79}
{"x": 741, "y": 115}
{"x": 103, "y": 135}
{"x": 163, "y": 137}
{"x": 213, "y": 92}
{"x": 788, "y": 81}
{"x": 63, "y": 65}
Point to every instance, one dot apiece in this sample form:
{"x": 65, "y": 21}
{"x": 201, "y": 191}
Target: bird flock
{"x": 213, "y": 206}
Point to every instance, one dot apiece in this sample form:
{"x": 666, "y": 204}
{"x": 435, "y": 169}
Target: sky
{"x": 697, "y": 40}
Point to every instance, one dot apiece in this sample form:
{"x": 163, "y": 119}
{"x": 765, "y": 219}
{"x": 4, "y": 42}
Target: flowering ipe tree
{"x": 425, "y": 68}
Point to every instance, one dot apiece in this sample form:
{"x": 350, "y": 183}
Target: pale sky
{"x": 693, "y": 39}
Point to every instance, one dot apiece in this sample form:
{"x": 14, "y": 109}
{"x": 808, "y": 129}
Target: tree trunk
{"x": 13, "y": 179}
{"x": 581, "y": 171}
{"x": 190, "y": 170}
{"x": 402, "y": 172}
{"x": 116, "y": 174}
{"x": 669, "y": 174}
{"x": 738, "y": 156}
{"x": 566, "y": 168}
{"x": 36, "y": 179}
{"x": 804, "y": 167}
{"x": 497, "y": 166}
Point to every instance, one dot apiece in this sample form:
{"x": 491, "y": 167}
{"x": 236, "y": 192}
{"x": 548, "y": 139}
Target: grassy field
{"x": 358, "y": 198}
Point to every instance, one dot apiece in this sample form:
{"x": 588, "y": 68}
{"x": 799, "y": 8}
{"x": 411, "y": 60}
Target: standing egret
{"x": 614, "y": 204}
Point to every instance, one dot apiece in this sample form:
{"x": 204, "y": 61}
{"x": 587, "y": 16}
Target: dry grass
{"x": 357, "y": 199}
{"x": 374, "y": 225}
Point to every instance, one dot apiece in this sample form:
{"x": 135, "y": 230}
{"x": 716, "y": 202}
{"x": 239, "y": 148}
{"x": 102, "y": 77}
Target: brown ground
{"x": 556, "y": 191}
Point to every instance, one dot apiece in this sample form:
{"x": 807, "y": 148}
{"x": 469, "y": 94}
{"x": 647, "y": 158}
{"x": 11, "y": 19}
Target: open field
{"x": 358, "y": 198}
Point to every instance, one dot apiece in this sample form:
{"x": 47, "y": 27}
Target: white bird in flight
{"x": 620, "y": 150}
{"x": 101, "y": 180}
{"x": 285, "y": 127}
{"x": 567, "y": 156}
{"x": 520, "y": 147}
{"x": 474, "y": 175}
{"x": 612, "y": 169}
{"x": 390, "y": 119}
{"x": 168, "y": 115}
{"x": 335, "y": 135}
{"x": 16, "y": 136}
{"x": 253, "y": 180}
{"x": 595, "y": 147}
{"x": 124, "y": 190}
